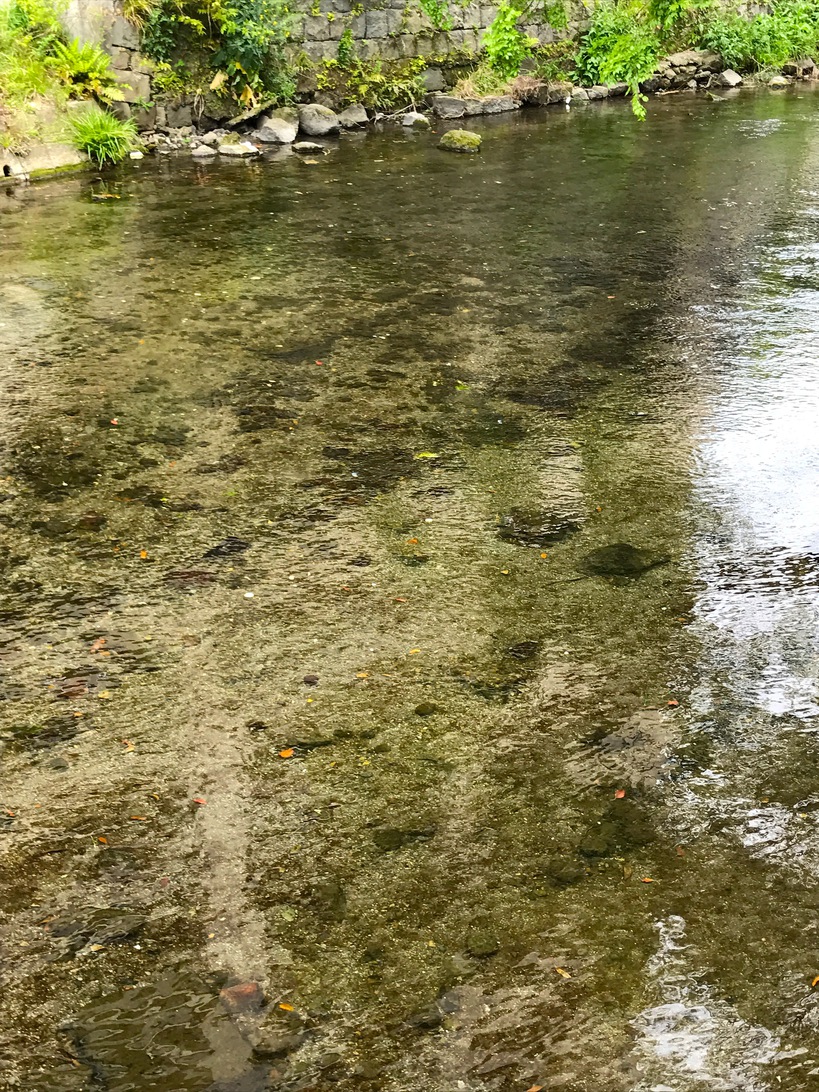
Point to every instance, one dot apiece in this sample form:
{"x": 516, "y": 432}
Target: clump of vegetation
{"x": 788, "y": 30}
{"x": 383, "y": 86}
{"x": 481, "y": 81}
{"x": 85, "y": 70}
{"x": 103, "y": 137}
{"x": 242, "y": 41}
{"x": 29, "y": 30}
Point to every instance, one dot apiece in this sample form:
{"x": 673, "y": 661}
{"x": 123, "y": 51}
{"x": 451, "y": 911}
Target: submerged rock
{"x": 482, "y": 945}
{"x": 318, "y": 120}
{"x": 620, "y": 559}
{"x": 460, "y": 140}
{"x": 307, "y": 147}
{"x": 388, "y": 839}
{"x": 535, "y": 529}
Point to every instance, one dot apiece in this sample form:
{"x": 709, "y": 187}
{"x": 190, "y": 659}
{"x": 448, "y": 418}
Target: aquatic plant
{"x": 103, "y": 137}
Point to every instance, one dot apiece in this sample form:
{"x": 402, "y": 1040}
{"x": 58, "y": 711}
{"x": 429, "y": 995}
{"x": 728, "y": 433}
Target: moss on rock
{"x": 460, "y": 140}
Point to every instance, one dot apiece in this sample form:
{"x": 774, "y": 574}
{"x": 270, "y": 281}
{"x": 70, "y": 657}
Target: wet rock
{"x": 524, "y": 650}
{"x": 274, "y": 1042}
{"x": 460, "y": 140}
{"x": 242, "y": 997}
{"x": 778, "y": 82}
{"x": 330, "y": 899}
{"x": 537, "y": 530}
{"x": 243, "y": 149}
{"x": 203, "y": 151}
{"x": 426, "y": 709}
{"x": 482, "y": 944}
{"x": 580, "y": 94}
{"x": 91, "y": 521}
{"x": 599, "y": 91}
{"x": 414, "y": 120}
{"x": 57, "y": 763}
{"x": 728, "y": 78}
{"x": 275, "y": 130}
{"x": 389, "y": 839}
{"x": 307, "y": 147}
{"x": 563, "y": 873}
{"x": 310, "y": 680}
{"x": 447, "y": 106}
{"x": 228, "y": 547}
{"x": 427, "y": 1018}
{"x": 599, "y": 841}
{"x": 315, "y": 120}
{"x": 802, "y": 69}
{"x": 620, "y": 559}
{"x": 353, "y": 116}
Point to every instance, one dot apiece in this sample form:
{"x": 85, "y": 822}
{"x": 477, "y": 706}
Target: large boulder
{"x": 460, "y": 140}
{"x": 447, "y": 106}
{"x": 273, "y": 130}
{"x": 316, "y": 120}
{"x": 696, "y": 59}
{"x": 353, "y": 116}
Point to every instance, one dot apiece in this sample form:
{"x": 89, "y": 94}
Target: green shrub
{"x": 384, "y": 86}
{"x": 505, "y": 44}
{"x": 85, "y": 69}
{"x": 104, "y": 138}
{"x": 243, "y": 41}
{"x": 789, "y": 29}
{"x": 620, "y": 45}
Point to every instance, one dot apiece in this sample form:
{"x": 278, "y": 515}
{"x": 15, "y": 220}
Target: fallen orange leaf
{"x": 647, "y": 879}
{"x": 199, "y": 800}
{"x": 103, "y": 840}
{"x": 139, "y": 818}
{"x": 412, "y": 542}
{"x": 815, "y": 981}
{"x": 97, "y": 645}
{"x": 563, "y": 973}
{"x": 286, "y": 753}
{"x": 673, "y": 703}
{"x": 619, "y": 794}
{"x": 143, "y": 554}
{"x": 400, "y": 599}
{"x": 535, "y": 1088}
{"x": 286, "y": 1007}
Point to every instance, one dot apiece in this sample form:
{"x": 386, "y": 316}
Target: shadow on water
{"x": 408, "y": 638}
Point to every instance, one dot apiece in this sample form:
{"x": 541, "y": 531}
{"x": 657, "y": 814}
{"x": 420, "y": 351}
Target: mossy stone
{"x": 460, "y": 140}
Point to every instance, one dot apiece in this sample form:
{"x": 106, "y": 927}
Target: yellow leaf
{"x": 815, "y": 981}
{"x": 104, "y": 694}
{"x": 563, "y": 973}
{"x": 427, "y": 455}
{"x": 143, "y": 554}
{"x": 218, "y": 80}
{"x": 362, "y": 674}
{"x": 287, "y": 1008}
{"x": 414, "y": 651}
{"x": 286, "y": 753}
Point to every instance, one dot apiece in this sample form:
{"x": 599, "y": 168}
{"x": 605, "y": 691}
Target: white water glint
{"x": 692, "y": 1040}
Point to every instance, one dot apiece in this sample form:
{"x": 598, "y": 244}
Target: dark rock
{"x": 523, "y": 650}
{"x": 310, "y": 680}
{"x": 433, "y": 79}
{"x": 537, "y": 530}
{"x": 275, "y": 1042}
{"x": 228, "y": 547}
{"x": 620, "y": 559}
{"x": 388, "y": 839}
{"x": 426, "y": 1019}
{"x": 599, "y": 841}
{"x": 482, "y": 945}
{"x": 563, "y": 873}
{"x": 426, "y": 709}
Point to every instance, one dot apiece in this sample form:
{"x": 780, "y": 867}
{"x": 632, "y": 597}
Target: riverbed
{"x": 409, "y": 630}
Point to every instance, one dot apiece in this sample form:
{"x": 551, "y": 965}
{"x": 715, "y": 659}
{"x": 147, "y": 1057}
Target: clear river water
{"x": 410, "y": 613}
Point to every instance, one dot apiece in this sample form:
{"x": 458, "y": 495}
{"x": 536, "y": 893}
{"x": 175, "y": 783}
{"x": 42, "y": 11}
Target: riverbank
{"x": 262, "y": 133}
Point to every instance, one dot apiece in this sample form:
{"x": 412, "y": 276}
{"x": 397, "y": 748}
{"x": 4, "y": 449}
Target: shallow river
{"x": 410, "y": 625}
